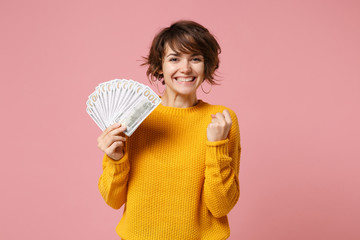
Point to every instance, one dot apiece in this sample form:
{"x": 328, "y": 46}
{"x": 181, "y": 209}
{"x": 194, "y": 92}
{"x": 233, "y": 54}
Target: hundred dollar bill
{"x": 131, "y": 99}
{"x": 94, "y": 108}
{"x": 95, "y": 118}
{"x": 138, "y": 110}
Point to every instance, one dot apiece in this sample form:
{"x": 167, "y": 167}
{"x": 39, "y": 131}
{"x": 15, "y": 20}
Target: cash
{"x": 121, "y": 101}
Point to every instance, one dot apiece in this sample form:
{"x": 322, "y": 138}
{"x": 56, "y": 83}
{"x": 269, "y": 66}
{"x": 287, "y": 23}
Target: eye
{"x": 173, "y": 59}
{"x": 197, "y": 59}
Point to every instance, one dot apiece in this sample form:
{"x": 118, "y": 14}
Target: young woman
{"x": 178, "y": 174}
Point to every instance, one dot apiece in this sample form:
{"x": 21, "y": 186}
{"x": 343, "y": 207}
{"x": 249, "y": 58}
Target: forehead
{"x": 168, "y": 50}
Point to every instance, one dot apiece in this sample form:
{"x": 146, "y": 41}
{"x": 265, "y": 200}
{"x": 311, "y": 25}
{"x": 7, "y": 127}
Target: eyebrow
{"x": 173, "y": 54}
{"x": 178, "y": 54}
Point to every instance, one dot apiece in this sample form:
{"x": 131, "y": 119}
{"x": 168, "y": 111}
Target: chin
{"x": 186, "y": 90}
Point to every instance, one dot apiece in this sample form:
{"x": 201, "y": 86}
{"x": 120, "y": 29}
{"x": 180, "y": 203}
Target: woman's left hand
{"x": 219, "y": 127}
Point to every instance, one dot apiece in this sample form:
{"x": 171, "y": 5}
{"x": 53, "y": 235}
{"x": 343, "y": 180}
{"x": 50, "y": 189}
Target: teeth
{"x": 185, "y": 79}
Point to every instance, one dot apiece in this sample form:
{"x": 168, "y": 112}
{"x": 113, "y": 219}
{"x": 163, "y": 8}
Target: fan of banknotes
{"x": 121, "y": 101}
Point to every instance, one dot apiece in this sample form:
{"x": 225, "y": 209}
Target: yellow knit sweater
{"x": 175, "y": 184}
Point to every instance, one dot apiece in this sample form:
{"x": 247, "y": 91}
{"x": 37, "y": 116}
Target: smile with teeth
{"x": 187, "y": 79}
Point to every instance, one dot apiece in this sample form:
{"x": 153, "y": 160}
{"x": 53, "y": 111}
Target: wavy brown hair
{"x": 184, "y": 37}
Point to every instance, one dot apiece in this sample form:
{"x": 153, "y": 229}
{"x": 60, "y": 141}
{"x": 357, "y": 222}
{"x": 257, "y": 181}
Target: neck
{"x": 178, "y": 101}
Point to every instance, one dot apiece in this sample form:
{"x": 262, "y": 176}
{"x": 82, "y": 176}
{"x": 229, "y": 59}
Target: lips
{"x": 185, "y": 79}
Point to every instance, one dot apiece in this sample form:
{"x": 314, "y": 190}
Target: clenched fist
{"x": 219, "y": 127}
{"x": 112, "y": 141}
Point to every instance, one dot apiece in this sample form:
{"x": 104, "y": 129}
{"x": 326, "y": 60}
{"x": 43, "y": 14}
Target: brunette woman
{"x": 178, "y": 174}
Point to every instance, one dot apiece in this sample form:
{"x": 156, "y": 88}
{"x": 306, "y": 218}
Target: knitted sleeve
{"x": 113, "y": 180}
{"x": 221, "y": 185}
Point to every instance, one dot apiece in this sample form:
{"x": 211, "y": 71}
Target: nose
{"x": 185, "y": 67}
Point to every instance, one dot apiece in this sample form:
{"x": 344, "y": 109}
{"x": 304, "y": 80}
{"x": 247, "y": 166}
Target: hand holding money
{"x": 112, "y": 141}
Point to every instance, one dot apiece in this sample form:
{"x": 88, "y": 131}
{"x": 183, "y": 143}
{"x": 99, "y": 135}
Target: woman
{"x": 178, "y": 173}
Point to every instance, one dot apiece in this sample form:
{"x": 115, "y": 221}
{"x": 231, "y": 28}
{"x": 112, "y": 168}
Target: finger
{"x": 214, "y": 115}
{"x": 113, "y": 147}
{"x": 221, "y": 117}
{"x": 215, "y": 120}
{"x": 109, "y": 129}
{"x": 104, "y": 141}
{"x": 119, "y": 138}
{"x": 227, "y": 116}
{"x": 111, "y": 139}
{"x": 117, "y": 131}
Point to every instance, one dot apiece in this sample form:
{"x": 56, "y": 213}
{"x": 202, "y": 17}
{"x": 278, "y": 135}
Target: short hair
{"x": 184, "y": 37}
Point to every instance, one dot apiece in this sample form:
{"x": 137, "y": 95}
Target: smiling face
{"x": 183, "y": 73}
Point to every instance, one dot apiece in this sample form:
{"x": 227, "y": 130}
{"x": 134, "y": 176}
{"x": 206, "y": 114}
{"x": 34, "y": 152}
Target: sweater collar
{"x": 180, "y": 111}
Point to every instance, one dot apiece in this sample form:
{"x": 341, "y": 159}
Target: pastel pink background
{"x": 290, "y": 70}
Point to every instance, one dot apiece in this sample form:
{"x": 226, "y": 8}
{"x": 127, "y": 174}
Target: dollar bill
{"x": 138, "y": 110}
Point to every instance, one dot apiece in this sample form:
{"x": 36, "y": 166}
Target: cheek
{"x": 201, "y": 69}
{"x": 168, "y": 69}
